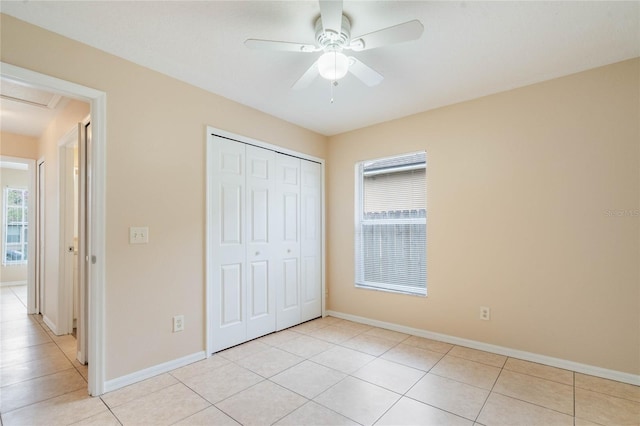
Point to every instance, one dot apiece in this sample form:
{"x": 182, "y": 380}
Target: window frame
{"x": 24, "y": 226}
{"x": 360, "y": 174}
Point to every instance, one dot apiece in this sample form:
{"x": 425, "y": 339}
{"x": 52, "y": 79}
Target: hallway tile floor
{"x": 327, "y": 371}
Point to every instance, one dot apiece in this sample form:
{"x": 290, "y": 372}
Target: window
{"x": 14, "y": 246}
{"x": 391, "y": 224}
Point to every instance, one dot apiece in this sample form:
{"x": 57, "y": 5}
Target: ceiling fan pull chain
{"x": 331, "y": 84}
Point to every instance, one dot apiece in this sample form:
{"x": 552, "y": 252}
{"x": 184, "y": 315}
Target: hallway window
{"x": 391, "y": 224}
{"x": 14, "y": 242}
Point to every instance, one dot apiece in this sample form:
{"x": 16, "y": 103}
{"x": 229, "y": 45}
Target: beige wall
{"x": 156, "y": 178}
{"x": 18, "y": 179}
{"x": 524, "y": 189}
{"x": 48, "y": 149}
{"x": 21, "y": 146}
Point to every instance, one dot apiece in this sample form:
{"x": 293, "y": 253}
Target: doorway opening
{"x": 95, "y": 223}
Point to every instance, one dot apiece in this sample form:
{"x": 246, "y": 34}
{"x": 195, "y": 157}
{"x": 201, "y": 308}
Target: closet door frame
{"x": 211, "y": 133}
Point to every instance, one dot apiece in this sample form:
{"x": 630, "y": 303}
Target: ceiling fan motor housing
{"x": 331, "y": 40}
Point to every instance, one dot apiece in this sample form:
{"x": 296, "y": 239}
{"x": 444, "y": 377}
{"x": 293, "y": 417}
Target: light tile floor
{"x": 324, "y": 372}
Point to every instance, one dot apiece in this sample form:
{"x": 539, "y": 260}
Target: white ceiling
{"x": 468, "y": 49}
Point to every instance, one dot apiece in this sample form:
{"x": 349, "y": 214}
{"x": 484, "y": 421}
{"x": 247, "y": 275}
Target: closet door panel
{"x": 288, "y": 228}
{"x": 259, "y": 290}
{"x": 228, "y": 247}
{"x": 260, "y": 253}
{"x": 231, "y": 295}
{"x": 230, "y": 218}
{"x": 290, "y": 284}
{"x": 311, "y": 240}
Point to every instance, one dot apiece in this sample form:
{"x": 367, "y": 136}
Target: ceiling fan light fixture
{"x": 333, "y": 65}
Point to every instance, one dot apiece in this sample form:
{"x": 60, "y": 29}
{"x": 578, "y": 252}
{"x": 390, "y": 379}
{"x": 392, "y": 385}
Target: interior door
{"x": 229, "y": 290}
{"x": 67, "y": 246}
{"x": 39, "y": 296}
{"x": 260, "y": 255}
{"x": 288, "y": 244}
{"x": 85, "y": 259}
{"x": 311, "y": 244}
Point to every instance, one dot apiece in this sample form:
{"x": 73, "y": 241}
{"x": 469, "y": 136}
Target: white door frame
{"x": 35, "y": 302}
{"x": 84, "y": 236}
{"x": 209, "y": 223}
{"x": 98, "y": 102}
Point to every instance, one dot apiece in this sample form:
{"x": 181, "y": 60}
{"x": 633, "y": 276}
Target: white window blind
{"x": 391, "y": 224}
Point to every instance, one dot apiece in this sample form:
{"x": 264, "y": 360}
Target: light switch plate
{"x": 138, "y": 235}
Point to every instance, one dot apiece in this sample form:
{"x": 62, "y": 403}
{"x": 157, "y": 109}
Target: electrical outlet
{"x": 485, "y": 313}
{"x": 178, "y": 323}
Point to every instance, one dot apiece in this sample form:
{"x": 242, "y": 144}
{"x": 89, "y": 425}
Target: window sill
{"x": 391, "y": 290}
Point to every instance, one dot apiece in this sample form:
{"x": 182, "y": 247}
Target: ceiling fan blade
{"x": 411, "y": 30}
{"x": 307, "y": 78}
{"x": 366, "y": 74}
{"x": 331, "y": 13}
{"x": 283, "y": 46}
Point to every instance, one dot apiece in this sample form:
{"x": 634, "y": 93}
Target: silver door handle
{"x": 257, "y": 253}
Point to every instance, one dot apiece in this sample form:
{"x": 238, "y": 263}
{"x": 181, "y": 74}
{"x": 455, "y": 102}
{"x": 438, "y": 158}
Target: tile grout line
{"x": 457, "y": 381}
{"x": 397, "y": 343}
{"x": 305, "y": 358}
{"x": 526, "y": 401}
{"x": 573, "y": 376}
{"x": 491, "y": 390}
{"x": 17, "y": 297}
{"x": 44, "y": 375}
{"x": 42, "y": 325}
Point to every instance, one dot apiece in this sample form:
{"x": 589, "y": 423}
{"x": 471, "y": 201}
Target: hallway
{"x": 35, "y": 364}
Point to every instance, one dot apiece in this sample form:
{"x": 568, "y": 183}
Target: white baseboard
{"x": 591, "y": 370}
{"x": 50, "y": 324}
{"x": 12, "y": 283}
{"x": 137, "y": 376}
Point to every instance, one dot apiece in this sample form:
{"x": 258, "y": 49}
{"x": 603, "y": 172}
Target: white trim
{"x": 36, "y": 287}
{"x": 55, "y": 85}
{"x": 50, "y": 324}
{"x": 210, "y": 131}
{"x": 137, "y": 376}
{"x": 209, "y": 201}
{"x": 323, "y": 249}
{"x": 98, "y": 102}
{"x": 69, "y": 138}
{"x": 261, "y": 144}
{"x": 12, "y": 283}
{"x": 619, "y": 376}
{"x": 96, "y": 349}
{"x": 13, "y": 165}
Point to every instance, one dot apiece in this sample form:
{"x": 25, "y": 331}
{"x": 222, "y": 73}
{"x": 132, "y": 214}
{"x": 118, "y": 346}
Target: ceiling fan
{"x": 333, "y": 37}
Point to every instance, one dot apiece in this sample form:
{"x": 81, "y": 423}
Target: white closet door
{"x": 311, "y": 244}
{"x": 264, "y": 242}
{"x": 227, "y": 188}
{"x": 260, "y": 252}
{"x": 288, "y": 245}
